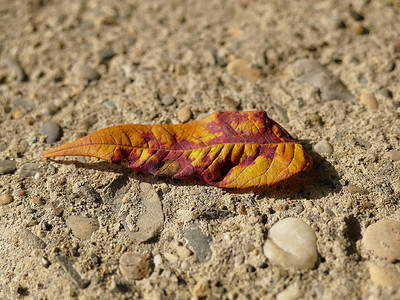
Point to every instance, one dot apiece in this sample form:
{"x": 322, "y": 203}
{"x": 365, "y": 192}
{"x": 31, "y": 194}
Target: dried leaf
{"x": 228, "y": 150}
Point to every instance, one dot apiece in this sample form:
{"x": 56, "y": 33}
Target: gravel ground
{"x": 78, "y": 228}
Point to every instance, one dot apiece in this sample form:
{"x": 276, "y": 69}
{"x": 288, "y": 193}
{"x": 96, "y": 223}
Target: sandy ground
{"x": 183, "y": 49}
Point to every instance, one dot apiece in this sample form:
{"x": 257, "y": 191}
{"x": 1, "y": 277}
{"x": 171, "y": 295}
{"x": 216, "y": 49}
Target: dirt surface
{"x": 174, "y": 60}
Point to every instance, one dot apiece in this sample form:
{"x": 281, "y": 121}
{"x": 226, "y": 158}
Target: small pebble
{"x": 230, "y": 103}
{"x": 157, "y": 260}
{"x": 173, "y": 259}
{"x": 183, "y": 252}
{"x": 167, "y": 100}
{"x": 291, "y": 243}
{"x": 52, "y": 169}
{"x": 82, "y": 227}
{"x": 76, "y": 278}
{"x": 85, "y": 72}
{"x": 184, "y": 114}
{"x": 6, "y": 199}
{"x": 57, "y": 208}
{"x": 312, "y": 72}
{"x": 19, "y": 193}
{"x": 369, "y": 101}
{"x": 185, "y": 265}
{"x": 308, "y": 204}
{"x": 52, "y": 131}
{"x": 16, "y": 67}
{"x": 106, "y": 54}
{"x": 299, "y": 208}
{"x": 384, "y": 276}
{"x": 30, "y": 239}
{"x": 135, "y": 266}
{"x": 323, "y": 147}
{"x": 18, "y": 115}
{"x": 290, "y": 293}
{"x": 393, "y": 155}
{"x": 244, "y": 69}
{"x": 7, "y": 166}
{"x": 358, "y": 29}
{"x": 45, "y": 262}
{"x": 199, "y": 242}
{"x": 354, "y": 189}
{"x": 32, "y": 223}
{"x": 383, "y": 239}
{"x": 201, "y": 289}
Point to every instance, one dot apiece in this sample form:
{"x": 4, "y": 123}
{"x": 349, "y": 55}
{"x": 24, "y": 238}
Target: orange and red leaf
{"x": 228, "y": 150}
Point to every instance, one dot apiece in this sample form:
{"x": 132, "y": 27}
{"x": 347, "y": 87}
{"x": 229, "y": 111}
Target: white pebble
{"x": 291, "y": 243}
{"x": 157, "y": 260}
{"x": 290, "y": 293}
{"x": 184, "y": 265}
{"x": 323, "y": 147}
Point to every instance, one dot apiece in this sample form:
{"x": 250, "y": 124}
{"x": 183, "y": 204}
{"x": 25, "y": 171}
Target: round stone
{"x": 384, "y": 276}
{"x": 85, "y": 72}
{"x": 383, "y": 239}
{"x": 167, "y": 100}
{"x": 183, "y": 252}
{"x": 135, "y": 266}
{"x": 291, "y": 243}
{"x": 82, "y": 227}
{"x": 157, "y": 260}
{"x": 6, "y": 199}
{"x": 323, "y": 147}
{"x": 184, "y": 114}
{"x": 369, "y": 101}
{"x": 7, "y": 166}
{"x": 18, "y": 115}
{"x": 244, "y": 69}
{"x": 393, "y": 155}
{"x": 291, "y": 292}
{"x": 52, "y": 131}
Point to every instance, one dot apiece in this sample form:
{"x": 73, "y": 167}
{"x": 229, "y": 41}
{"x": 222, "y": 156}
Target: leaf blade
{"x": 229, "y": 150}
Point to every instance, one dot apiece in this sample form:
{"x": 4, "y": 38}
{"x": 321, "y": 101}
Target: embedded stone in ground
{"x": 291, "y": 243}
{"x": 82, "y": 227}
{"x": 136, "y": 266}
{"x": 383, "y": 239}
